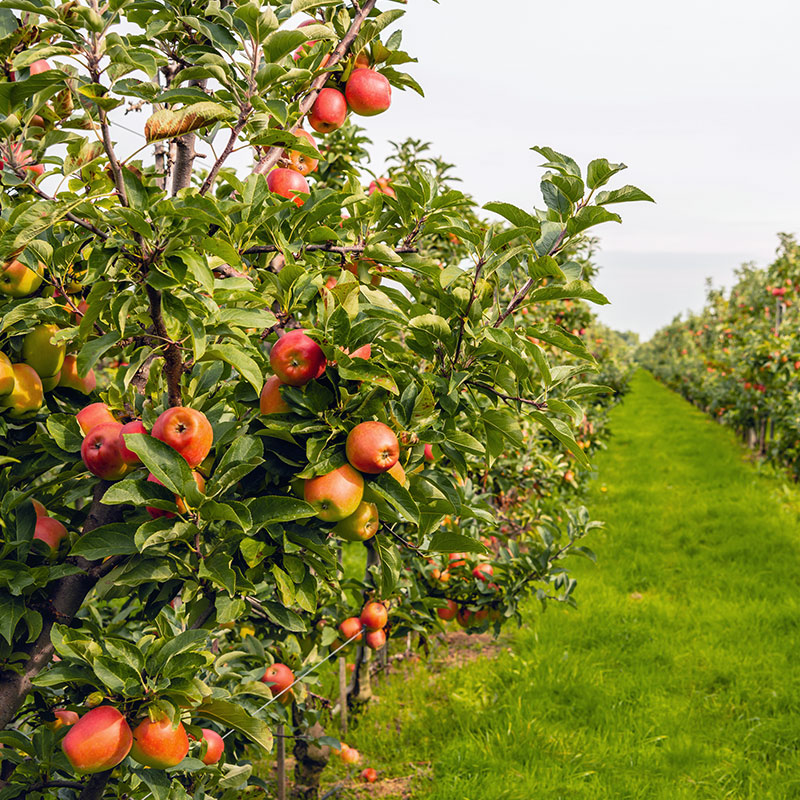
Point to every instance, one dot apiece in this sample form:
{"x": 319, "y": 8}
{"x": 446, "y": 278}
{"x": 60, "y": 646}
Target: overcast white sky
{"x": 698, "y": 97}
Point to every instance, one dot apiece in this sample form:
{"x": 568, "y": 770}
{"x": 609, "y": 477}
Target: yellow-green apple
{"x": 289, "y": 184}
{"x": 351, "y": 627}
{"x": 215, "y": 745}
{"x": 328, "y": 112}
{"x": 50, "y": 383}
{"x": 375, "y": 639}
{"x": 449, "y": 612}
{"x": 17, "y": 280}
{"x": 40, "y": 352}
{"x": 6, "y": 375}
{"x": 50, "y": 531}
{"x": 350, "y": 755}
{"x": 368, "y": 92}
{"x": 101, "y": 453}
{"x": 279, "y": 678}
{"x": 336, "y": 494}
{"x": 296, "y": 358}
{"x": 27, "y": 396}
{"x": 158, "y": 512}
{"x": 298, "y": 161}
{"x": 98, "y": 741}
{"x": 361, "y": 525}
{"x": 372, "y": 447}
{"x": 39, "y": 66}
{"x": 374, "y": 616}
{"x": 93, "y": 415}
{"x": 159, "y": 744}
{"x": 271, "y": 400}
{"x": 69, "y": 378}
{"x": 134, "y": 426}
{"x": 186, "y": 431}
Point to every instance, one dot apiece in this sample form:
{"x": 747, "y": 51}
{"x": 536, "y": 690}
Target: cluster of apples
{"x": 373, "y": 619}
{"x": 106, "y": 455}
{"x": 366, "y": 92}
{"x": 371, "y": 447}
{"x": 101, "y": 739}
{"x": 464, "y": 616}
{"x": 44, "y": 366}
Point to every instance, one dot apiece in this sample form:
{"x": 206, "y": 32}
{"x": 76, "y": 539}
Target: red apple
{"x": 69, "y": 378}
{"x": 17, "y": 280}
{"x": 289, "y": 184}
{"x": 369, "y": 775}
{"x": 328, "y": 112}
{"x": 374, "y": 616}
{"x": 448, "y": 613}
{"x": 483, "y": 572}
{"x": 365, "y": 351}
{"x": 93, "y": 415}
{"x": 382, "y": 186}
{"x": 303, "y": 164}
{"x": 134, "y": 426}
{"x": 368, "y": 92}
{"x": 271, "y": 401}
{"x": 429, "y": 453}
{"x": 335, "y": 495}
{"x": 50, "y": 531}
{"x": 350, "y": 755}
{"x": 187, "y": 431}
{"x": 214, "y": 746}
{"x": 101, "y": 453}
{"x": 98, "y": 741}
{"x": 350, "y": 627}
{"x": 375, "y": 639}
{"x": 159, "y": 744}
{"x": 39, "y": 66}
{"x": 22, "y": 158}
{"x": 158, "y": 512}
{"x": 63, "y": 719}
{"x": 372, "y": 447}
{"x": 296, "y": 358}
{"x": 279, "y": 678}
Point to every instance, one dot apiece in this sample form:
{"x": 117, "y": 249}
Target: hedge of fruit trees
{"x": 221, "y": 388}
{"x": 739, "y": 358}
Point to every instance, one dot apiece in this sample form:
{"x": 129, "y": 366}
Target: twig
{"x": 327, "y": 247}
{"x": 172, "y": 354}
{"x": 507, "y": 397}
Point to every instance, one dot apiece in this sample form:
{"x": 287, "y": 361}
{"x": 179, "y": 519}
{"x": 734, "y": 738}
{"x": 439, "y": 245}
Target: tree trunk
{"x": 310, "y": 760}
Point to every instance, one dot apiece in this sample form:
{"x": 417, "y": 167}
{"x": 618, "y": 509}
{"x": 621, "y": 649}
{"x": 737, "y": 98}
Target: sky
{"x": 698, "y": 97}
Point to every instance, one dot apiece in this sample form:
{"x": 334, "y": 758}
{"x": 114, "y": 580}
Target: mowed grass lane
{"x": 679, "y": 674}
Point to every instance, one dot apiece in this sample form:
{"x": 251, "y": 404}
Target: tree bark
{"x": 310, "y": 760}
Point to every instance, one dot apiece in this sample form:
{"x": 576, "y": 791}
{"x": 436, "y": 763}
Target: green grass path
{"x": 679, "y": 674}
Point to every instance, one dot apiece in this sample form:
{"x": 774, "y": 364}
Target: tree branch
{"x": 172, "y": 354}
{"x": 507, "y": 397}
{"x": 235, "y": 131}
{"x": 95, "y": 788}
{"x": 327, "y": 247}
{"x": 339, "y": 52}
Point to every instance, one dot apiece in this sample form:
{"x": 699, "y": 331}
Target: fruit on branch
{"x": 134, "y": 426}
{"x": 398, "y": 473}
{"x": 374, "y": 616}
{"x": 361, "y": 525}
{"x": 98, "y": 741}
{"x": 101, "y": 452}
{"x": 70, "y": 379}
{"x": 361, "y": 269}
{"x": 215, "y": 746}
{"x": 39, "y": 66}
{"x": 328, "y": 112}
{"x": 17, "y": 280}
{"x": 368, "y": 92}
{"x": 449, "y": 612}
{"x": 6, "y": 375}
{"x": 375, "y": 639}
{"x": 187, "y": 431}
{"x": 93, "y": 415}
{"x": 350, "y": 627}
{"x": 50, "y": 531}
{"x": 299, "y": 162}
{"x": 289, "y": 184}
{"x": 335, "y": 495}
{"x": 158, "y": 512}
{"x": 457, "y": 560}
{"x": 301, "y": 51}
{"x": 365, "y": 352}
{"x": 40, "y": 510}
{"x": 39, "y": 352}
{"x": 279, "y": 678}
{"x": 27, "y": 396}
{"x": 369, "y": 775}
{"x": 470, "y": 619}
{"x": 63, "y": 719}
{"x": 361, "y": 61}
{"x": 382, "y": 186}
{"x": 296, "y": 358}
{"x": 372, "y": 447}
{"x": 159, "y": 744}
{"x": 21, "y": 158}
{"x": 429, "y": 453}
{"x": 271, "y": 400}
{"x": 483, "y": 572}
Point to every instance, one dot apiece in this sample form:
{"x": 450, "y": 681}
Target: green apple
{"x": 39, "y": 351}
{"x": 16, "y": 280}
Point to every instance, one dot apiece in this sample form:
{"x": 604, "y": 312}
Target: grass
{"x": 679, "y": 674}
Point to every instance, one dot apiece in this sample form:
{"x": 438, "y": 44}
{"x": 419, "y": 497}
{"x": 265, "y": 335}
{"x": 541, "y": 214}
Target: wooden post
{"x": 343, "y": 694}
{"x": 281, "y": 762}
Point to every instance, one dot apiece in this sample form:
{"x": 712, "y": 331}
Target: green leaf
{"x": 390, "y": 565}
{"x": 516, "y": 216}
{"x": 162, "y": 461}
{"x": 588, "y": 217}
{"x": 240, "y": 361}
{"x": 600, "y": 170}
{"x": 233, "y": 715}
{"x": 217, "y": 568}
{"x": 267, "y": 510}
{"x": 558, "y": 161}
{"x": 284, "y": 617}
{"x": 92, "y": 351}
{"x": 398, "y": 496}
{"x": 450, "y": 542}
{"x": 573, "y": 289}
{"x": 108, "y": 540}
{"x": 65, "y": 431}
{"x": 625, "y": 194}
